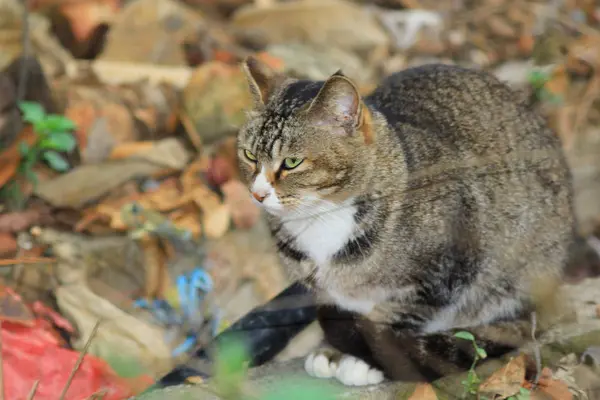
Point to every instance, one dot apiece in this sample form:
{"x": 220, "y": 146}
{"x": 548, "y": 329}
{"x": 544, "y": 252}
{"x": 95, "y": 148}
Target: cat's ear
{"x": 262, "y": 80}
{"x": 339, "y": 105}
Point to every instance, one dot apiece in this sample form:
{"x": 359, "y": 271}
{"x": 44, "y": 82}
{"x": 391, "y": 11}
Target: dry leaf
{"x": 13, "y": 309}
{"x": 216, "y": 216}
{"x": 190, "y": 222}
{"x": 125, "y": 150}
{"x": 558, "y": 83}
{"x": 553, "y": 389}
{"x": 10, "y": 157}
{"x": 154, "y": 263}
{"x": 190, "y": 178}
{"x": 584, "y": 54}
{"x": 86, "y": 16}
{"x": 423, "y": 391}
{"x": 507, "y": 380}
{"x": 166, "y": 197}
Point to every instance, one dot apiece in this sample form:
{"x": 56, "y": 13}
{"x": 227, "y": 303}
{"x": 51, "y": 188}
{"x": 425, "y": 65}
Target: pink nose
{"x": 258, "y": 197}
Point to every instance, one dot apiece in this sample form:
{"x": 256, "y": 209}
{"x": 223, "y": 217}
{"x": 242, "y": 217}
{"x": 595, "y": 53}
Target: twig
{"x": 1, "y": 366}
{"x": 27, "y": 260}
{"x": 31, "y": 394}
{"x": 536, "y": 350}
{"x": 79, "y": 360}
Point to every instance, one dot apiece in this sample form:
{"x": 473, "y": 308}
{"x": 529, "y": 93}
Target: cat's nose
{"x": 259, "y": 197}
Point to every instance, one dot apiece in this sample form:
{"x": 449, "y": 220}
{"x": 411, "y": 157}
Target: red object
{"x": 31, "y": 353}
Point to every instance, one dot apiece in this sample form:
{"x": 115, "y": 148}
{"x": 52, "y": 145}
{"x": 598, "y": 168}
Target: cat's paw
{"x": 322, "y": 363}
{"x": 353, "y": 371}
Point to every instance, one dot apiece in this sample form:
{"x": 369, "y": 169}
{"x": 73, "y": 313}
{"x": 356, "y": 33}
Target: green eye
{"x": 291, "y": 163}
{"x": 249, "y": 156}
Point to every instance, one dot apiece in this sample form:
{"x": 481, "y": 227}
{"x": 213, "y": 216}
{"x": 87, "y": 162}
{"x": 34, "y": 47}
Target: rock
{"x": 215, "y": 99}
{"x": 336, "y": 22}
{"x": 151, "y": 31}
{"x": 318, "y": 62}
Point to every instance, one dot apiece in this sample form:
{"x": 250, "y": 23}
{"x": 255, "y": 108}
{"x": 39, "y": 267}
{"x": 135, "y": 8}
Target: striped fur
{"x": 437, "y": 203}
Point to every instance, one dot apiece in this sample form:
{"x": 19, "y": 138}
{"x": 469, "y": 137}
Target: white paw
{"x": 320, "y": 365}
{"x": 353, "y": 371}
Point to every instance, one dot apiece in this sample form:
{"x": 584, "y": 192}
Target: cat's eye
{"x": 249, "y": 156}
{"x": 291, "y": 162}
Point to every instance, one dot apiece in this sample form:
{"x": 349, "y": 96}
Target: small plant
{"x": 471, "y": 384}
{"x": 231, "y": 366}
{"x": 53, "y": 134}
{"x": 538, "y": 80}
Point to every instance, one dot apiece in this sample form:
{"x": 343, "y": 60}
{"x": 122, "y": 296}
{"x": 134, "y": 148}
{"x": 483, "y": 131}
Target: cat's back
{"x": 451, "y": 110}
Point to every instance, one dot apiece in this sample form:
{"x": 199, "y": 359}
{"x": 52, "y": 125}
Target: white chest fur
{"x": 323, "y": 231}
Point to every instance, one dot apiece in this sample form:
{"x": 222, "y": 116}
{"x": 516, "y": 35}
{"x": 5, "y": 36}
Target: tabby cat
{"x": 440, "y": 202}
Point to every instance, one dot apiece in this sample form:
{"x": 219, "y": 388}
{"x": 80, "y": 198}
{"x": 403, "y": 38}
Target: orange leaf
{"x": 423, "y": 391}
{"x": 10, "y": 157}
{"x": 128, "y": 149}
{"x": 86, "y": 16}
{"x": 554, "y": 389}
{"x": 216, "y": 216}
{"x": 507, "y": 380}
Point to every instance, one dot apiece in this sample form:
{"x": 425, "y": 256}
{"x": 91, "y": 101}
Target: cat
{"x": 440, "y": 202}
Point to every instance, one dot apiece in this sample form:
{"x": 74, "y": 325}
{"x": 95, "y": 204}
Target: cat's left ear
{"x": 339, "y": 105}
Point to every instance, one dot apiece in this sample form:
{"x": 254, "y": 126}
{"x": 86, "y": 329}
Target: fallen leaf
{"x": 243, "y": 211}
{"x": 13, "y": 309}
{"x": 86, "y": 16}
{"x": 154, "y": 263}
{"x": 216, "y": 216}
{"x": 8, "y": 244}
{"x": 553, "y": 389}
{"x": 423, "y": 391}
{"x": 507, "y": 380}
{"x": 10, "y": 157}
{"x": 190, "y": 177}
{"x": 188, "y": 221}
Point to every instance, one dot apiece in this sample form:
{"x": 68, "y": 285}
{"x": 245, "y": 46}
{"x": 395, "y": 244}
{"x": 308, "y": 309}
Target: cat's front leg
{"x": 346, "y": 356}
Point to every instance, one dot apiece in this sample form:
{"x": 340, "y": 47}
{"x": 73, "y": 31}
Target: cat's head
{"x": 304, "y": 142}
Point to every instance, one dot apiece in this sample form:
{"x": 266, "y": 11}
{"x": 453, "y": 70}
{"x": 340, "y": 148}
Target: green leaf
{"x": 465, "y": 335}
{"x": 32, "y": 112}
{"x": 23, "y": 148}
{"x": 59, "y": 123}
{"x": 481, "y": 352}
{"x": 56, "y": 161}
{"x": 231, "y": 366}
{"x": 61, "y": 141}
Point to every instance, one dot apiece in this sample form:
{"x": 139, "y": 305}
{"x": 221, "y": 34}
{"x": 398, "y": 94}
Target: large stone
{"x": 337, "y": 23}
{"x": 319, "y": 62}
{"x": 150, "y": 31}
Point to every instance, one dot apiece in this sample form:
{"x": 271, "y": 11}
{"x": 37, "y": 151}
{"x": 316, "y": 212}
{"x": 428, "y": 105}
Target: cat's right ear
{"x": 262, "y": 80}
